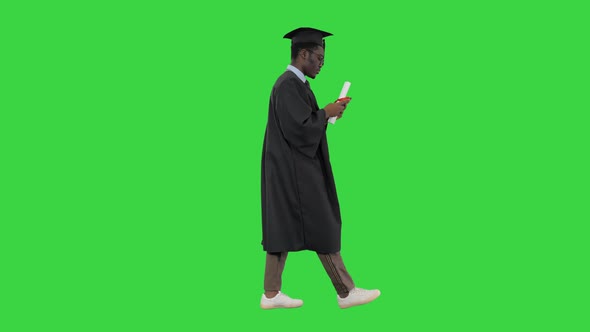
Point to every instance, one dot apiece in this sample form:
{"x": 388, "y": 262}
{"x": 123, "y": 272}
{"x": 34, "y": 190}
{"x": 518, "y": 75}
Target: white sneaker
{"x": 358, "y": 296}
{"x": 279, "y": 301}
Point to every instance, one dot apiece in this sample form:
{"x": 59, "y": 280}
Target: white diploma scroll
{"x": 343, "y": 94}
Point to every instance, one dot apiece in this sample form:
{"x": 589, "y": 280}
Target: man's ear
{"x": 303, "y": 53}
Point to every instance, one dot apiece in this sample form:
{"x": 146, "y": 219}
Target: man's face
{"x": 314, "y": 61}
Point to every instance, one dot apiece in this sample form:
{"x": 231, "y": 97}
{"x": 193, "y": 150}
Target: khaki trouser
{"x": 275, "y": 263}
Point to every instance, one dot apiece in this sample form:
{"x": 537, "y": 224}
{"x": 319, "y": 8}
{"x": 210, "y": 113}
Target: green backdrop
{"x": 131, "y": 139}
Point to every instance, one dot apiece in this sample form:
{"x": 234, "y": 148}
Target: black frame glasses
{"x": 320, "y": 57}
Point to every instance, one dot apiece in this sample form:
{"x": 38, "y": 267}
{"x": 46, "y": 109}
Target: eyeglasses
{"x": 320, "y": 57}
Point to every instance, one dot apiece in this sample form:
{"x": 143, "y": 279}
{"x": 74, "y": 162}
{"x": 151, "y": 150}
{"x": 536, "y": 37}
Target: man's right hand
{"x": 335, "y": 109}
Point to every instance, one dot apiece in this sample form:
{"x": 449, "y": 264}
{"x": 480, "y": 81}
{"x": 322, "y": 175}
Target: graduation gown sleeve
{"x": 301, "y": 125}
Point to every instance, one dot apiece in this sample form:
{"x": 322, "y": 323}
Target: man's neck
{"x": 297, "y": 72}
{"x": 298, "y": 66}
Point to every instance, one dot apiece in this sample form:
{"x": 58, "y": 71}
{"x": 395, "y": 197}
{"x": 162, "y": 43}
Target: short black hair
{"x": 295, "y": 48}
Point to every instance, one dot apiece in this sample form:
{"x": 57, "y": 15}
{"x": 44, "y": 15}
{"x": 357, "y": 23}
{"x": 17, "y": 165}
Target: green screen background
{"x": 131, "y": 139}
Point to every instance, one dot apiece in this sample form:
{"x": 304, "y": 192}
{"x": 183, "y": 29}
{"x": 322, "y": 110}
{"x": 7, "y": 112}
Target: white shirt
{"x": 297, "y": 72}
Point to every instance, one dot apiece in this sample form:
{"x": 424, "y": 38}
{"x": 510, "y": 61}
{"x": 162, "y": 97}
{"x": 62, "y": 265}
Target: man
{"x": 300, "y": 208}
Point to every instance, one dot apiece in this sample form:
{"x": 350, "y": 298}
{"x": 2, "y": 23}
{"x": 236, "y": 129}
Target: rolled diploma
{"x": 343, "y": 93}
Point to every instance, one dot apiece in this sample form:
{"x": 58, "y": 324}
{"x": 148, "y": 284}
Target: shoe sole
{"x": 371, "y": 299}
{"x": 273, "y": 307}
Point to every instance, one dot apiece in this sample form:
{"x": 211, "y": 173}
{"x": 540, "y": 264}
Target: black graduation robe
{"x": 300, "y": 209}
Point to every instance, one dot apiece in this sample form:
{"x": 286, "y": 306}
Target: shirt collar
{"x": 297, "y": 72}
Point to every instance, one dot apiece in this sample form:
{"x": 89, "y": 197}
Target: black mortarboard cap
{"x": 307, "y": 35}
